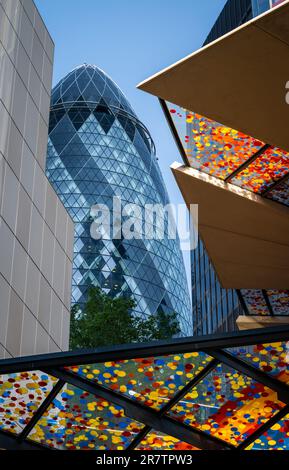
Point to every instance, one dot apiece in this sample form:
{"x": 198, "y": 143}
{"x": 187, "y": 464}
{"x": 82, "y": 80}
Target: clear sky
{"x": 131, "y": 40}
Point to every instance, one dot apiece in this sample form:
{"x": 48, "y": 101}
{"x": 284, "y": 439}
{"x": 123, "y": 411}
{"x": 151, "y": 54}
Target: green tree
{"x": 105, "y": 321}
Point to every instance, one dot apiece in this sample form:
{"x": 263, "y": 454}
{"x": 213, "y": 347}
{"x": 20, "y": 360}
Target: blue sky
{"x": 131, "y": 40}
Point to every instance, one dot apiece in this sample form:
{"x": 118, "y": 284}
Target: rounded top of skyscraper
{"x": 89, "y": 84}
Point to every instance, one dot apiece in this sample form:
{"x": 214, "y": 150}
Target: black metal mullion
{"x": 9, "y": 441}
{"x": 242, "y": 302}
{"x": 268, "y": 303}
{"x": 137, "y": 440}
{"x": 247, "y": 163}
{"x": 41, "y": 410}
{"x": 178, "y": 396}
{"x": 155, "y": 348}
{"x": 259, "y": 376}
{"x": 174, "y": 131}
{"x": 143, "y": 414}
{"x": 265, "y": 427}
{"x": 195, "y": 381}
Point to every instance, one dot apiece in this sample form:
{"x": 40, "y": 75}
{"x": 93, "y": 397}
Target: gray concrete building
{"x": 36, "y": 232}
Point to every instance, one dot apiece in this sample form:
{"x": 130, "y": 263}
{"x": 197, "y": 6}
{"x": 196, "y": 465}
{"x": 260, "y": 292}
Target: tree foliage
{"x": 106, "y": 321}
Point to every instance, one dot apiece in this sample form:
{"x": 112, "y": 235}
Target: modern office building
{"x": 226, "y": 392}
{"x": 234, "y": 13}
{"x": 99, "y": 149}
{"x": 232, "y": 156}
{"x": 36, "y": 232}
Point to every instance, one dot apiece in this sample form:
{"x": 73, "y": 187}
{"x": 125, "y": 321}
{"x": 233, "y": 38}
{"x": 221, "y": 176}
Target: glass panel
{"x": 277, "y": 2}
{"x": 276, "y": 438}
{"x": 156, "y": 440}
{"x": 21, "y": 394}
{"x": 280, "y": 193}
{"x": 152, "y": 381}
{"x": 79, "y": 420}
{"x": 272, "y": 165}
{"x": 228, "y": 405}
{"x": 271, "y": 358}
{"x": 279, "y": 300}
{"x": 255, "y": 302}
{"x": 212, "y": 147}
{"x": 259, "y": 6}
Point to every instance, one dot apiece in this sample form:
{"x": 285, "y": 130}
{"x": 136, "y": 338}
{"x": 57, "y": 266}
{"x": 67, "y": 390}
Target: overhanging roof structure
{"x": 246, "y": 236}
{"x": 238, "y": 80}
{"x": 213, "y": 393}
{"x": 229, "y": 116}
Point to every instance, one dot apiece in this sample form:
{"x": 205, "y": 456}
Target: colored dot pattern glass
{"x": 21, "y": 395}
{"x": 211, "y": 147}
{"x": 152, "y": 381}
{"x": 270, "y": 358}
{"x": 77, "y": 420}
{"x": 276, "y": 438}
{"x": 279, "y": 299}
{"x": 280, "y": 193}
{"x": 227, "y": 405}
{"x": 127, "y": 395}
{"x": 218, "y": 150}
{"x": 255, "y": 302}
{"x": 155, "y": 440}
{"x": 271, "y": 166}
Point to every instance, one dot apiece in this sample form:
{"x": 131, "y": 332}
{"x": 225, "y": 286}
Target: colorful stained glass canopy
{"x": 217, "y": 393}
{"x": 230, "y": 155}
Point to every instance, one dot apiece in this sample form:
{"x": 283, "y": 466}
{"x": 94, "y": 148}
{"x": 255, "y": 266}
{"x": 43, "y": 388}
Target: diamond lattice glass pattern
{"x": 98, "y": 149}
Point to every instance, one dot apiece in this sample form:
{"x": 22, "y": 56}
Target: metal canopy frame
{"x": 215, "y": 345}
{"x": 264, "y": 193}
{"x": 236, "y": 172}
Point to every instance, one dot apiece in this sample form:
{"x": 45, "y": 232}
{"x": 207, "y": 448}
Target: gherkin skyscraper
{"x": 99, "y": 149}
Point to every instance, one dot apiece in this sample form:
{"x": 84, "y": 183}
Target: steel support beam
{"x": 178, "y": 396}
{"x": 157, "y": 348}
{"x": 41, "y": 410}
{"x": 247, "y": 163}
{"x": 10, "y": 442}
{"x": 143, "y": 414}
{"x": 264, "y": 428}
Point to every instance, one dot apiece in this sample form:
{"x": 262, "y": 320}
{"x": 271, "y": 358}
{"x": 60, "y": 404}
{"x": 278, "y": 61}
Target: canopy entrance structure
{"x": 212, "y": 393}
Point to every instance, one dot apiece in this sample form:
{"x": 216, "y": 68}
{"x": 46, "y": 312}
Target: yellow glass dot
{"x": 120, "y": 373}
{"x": 272, "y": 442}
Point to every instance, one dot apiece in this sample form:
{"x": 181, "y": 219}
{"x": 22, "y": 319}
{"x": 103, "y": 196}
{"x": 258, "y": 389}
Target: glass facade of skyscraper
{"x": 213, "y": 306}
{"x": 234, "y": 13}
{"x": 98, "y": 149}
